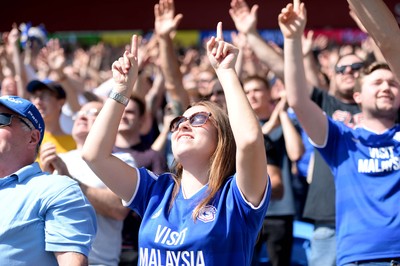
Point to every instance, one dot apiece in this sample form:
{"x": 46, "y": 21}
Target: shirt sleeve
{"x": 70, "y": 222}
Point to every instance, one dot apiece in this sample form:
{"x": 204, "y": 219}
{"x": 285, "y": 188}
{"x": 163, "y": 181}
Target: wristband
{"x": 118, "y": 97}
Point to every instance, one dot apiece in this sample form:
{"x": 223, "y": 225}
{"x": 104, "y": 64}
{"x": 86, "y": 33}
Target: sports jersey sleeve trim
{"x": 127, "y": 203}
{"x": 266, "y": 196}
{"x": 326, "y": 136}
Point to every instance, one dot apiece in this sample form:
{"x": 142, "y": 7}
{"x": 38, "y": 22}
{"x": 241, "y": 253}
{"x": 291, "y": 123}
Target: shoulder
{"x": 52, "y": 182}
{"x": 146, "y": 173}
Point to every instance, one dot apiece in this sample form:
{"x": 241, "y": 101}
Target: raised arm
{"x": 382, "y": 26}
{"x": 245, "y": 20}
{"x": 56, "y": 60}
{"x": 251, "y": 160}
{"x": 117, "y": 175}
{"x": 292, "y": 21}
{"x": 293, "y": 142}
{"x": 165, "y": 23}
{"x": 20, "y": 72}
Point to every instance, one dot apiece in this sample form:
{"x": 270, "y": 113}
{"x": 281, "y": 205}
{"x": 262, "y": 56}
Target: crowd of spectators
{"x": 69, "y": 84}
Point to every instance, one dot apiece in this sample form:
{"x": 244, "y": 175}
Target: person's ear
{"x": 61, "y": 102}
{"x": 357, "y": 97}
{"x": 35, "y": 137}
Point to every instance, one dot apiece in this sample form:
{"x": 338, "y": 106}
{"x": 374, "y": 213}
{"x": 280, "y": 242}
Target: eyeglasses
{"x": 6, "y": 119}
{"x": 354, "y": 67}
{"x": 92, "y": 113}
{"x": 195, "y": 120}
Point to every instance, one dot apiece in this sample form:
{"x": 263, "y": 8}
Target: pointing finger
{"x": 220, "y": 36}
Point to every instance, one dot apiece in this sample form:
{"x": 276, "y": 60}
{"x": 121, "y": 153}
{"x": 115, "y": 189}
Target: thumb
{"x": 177, "y": 19}
{"x": 254, "y": 10}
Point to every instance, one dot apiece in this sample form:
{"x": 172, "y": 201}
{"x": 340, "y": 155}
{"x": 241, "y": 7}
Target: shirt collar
{"x": 27, "y": 171}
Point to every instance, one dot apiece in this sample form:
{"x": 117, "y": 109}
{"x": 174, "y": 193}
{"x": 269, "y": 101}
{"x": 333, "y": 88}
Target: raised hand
{"x": 125, "y": 69}
{"x": 13, "y": 36}
{"x": 292, "y": 20}
{"x": 165, "y": 21}
{"x": 222, "y": 55}
{"x": 245, "y": 19}
{"x": 55, "y": 55}
{"x": 50, "y": 161}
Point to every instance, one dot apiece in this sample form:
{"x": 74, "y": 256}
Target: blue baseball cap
{"x": 49, "y": 85}
{"x": 25, "y": 109}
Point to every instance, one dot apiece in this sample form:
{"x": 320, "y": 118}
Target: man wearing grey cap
{"x": 45, "y": 219}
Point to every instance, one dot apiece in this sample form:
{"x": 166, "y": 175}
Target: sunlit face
{"x": 9, "y": 86}
{"x": 48, "y": 104}
{"x": 259, "y": 97}
{"x": 198, "y": 143}
{"x": 14, "y": 138}
{"x": 379, "y": 93}
{"x": 84, "y": 119}
{"x": 203, "y": 80}
{"x": 217, "y": 95}
{"x": 131, "y": 119}
{"x": 345, "y": 81}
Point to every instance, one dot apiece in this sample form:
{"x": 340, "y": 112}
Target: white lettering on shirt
{"x": 169, "y": 237}
{"x": 153, "y": 257}
{"x": 382, "y": 160}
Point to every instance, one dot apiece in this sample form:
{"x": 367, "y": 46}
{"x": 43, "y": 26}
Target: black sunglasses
{"x": 195, "y": 120}
{"x": 354, "y": 67}
{"x": 6, "y": 119}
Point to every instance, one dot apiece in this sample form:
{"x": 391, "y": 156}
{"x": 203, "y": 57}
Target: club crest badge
{"x": 207, "y": 214}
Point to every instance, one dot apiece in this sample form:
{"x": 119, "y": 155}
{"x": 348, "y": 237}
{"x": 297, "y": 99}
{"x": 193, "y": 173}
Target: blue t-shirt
{"x": 224, "y": 233}
{"x": 366, "y": 167}
{"x": 41, "y": 214}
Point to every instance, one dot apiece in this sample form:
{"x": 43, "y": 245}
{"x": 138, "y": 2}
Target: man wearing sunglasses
{"x": 366, "y": 181}
{"x": 45, "y": 220}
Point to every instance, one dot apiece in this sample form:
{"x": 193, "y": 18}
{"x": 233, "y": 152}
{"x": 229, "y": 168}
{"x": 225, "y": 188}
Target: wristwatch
{"x": 118, "y": 97}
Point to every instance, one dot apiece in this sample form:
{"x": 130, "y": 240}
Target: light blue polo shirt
{"x": 41, "y": 214}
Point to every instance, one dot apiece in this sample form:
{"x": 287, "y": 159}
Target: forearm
{"x": 378, "y": 20}
{"x": 171, "y": 71}
{"x": 266, "y": 53}
{"x": 295, "y": 78}
{"x": 160, "y": 142}
{"x": 293, "y": 142}
{"x": 312, "y": 72}
{"x": 71, "y": 259}
{"x": 275, "y": 175}
{"x": 382, "y": 26}
{"x": 239, "y": 63}
{"x": 99, "y": 143}
{"x": 20, "y": 72}
{"x": 250, "y": 152}
{"x": 105, "y": 202}
{"x": 72, "y": 90}
{"x": 239, "y": 109}
{"x": 272, "y": 123}
{"x": 309, "y": 114}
